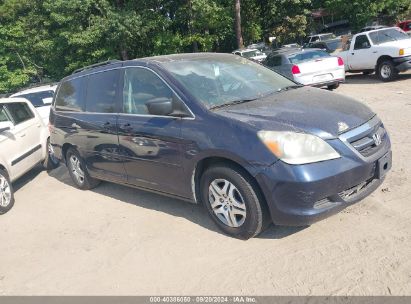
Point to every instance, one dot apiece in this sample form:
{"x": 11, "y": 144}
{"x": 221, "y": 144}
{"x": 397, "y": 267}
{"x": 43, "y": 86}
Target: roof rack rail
{"x": 96, "y": 65}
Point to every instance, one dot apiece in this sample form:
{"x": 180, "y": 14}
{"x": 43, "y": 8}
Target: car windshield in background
{"x": 307, "y": 56}
{"x": 226, "y": 79}
{"x": 251, "y": 54}
{"x": 328, "y": 36}
{"x": 333, "y": 45}
{"x": 387, "y": 36}
{"x": 37, "y": 99}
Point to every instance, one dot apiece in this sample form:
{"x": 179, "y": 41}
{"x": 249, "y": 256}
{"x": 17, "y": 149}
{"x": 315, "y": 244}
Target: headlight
{"x": 297, "y": 148}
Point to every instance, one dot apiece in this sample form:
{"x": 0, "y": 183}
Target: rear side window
{"x": 20, "y": 112}
{"x": 274, "y": 61}
{"x": 102, "y": 92}
{"x": 307, "y": 56}
{"x": 70, "y": 96}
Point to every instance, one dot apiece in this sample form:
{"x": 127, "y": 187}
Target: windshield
{"x": 251, "y": 54}
{"x": 334, "y": 45}
{"x": 38, "y": 99}
{"x": 307, "y": 56}
{"x": 387, "y": 35}
{"x": 219, "y": 80}
{"x": 327, "y": 36}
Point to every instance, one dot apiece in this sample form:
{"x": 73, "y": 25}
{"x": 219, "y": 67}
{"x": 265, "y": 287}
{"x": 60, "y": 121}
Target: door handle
{"x": 106, "y": 124}
{"x": 23, "y": 135}
{"x": 352, "y": 53}
{"x": 375, "y": 52}
{"x": 75, "y": 126}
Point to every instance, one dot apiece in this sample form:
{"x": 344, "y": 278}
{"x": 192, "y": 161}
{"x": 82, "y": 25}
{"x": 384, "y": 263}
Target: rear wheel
{"x": 233, "y": 202}
{"x": 333, "y": 86}
{"x": 386, "y": 70}
{"x": 6, "y": 193}
{"x": 78, "y": 171}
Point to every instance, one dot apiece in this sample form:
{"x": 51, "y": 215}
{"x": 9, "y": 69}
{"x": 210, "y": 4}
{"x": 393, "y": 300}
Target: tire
{"x": 386, "y": 70}
{"x": 78, "y": 171}
{"x": 333, "y": 86}
{"x": 6, "y": 192}
{"x": 51, "y": 162}
{"x": 241, "y": 199}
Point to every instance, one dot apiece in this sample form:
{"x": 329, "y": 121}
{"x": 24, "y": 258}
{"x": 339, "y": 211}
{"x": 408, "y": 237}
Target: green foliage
{"x": 48, "y": 39}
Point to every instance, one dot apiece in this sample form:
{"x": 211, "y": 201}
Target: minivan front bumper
{"x": 299, "y": 195}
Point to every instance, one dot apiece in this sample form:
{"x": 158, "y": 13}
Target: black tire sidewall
{"x": 392, "y": 67}
{"x": 11, "y": 204}
{"x": 253, "y": 223}
{"x": 88, "y": 182}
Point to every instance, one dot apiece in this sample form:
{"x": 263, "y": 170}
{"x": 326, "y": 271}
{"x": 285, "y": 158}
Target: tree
{"x": 237, "y": 24}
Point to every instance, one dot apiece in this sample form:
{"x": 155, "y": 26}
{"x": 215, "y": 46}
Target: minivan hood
{"x": 308, "y": 110}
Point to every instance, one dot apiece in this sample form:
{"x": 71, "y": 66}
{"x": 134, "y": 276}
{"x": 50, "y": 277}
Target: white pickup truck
{"x": 386, "y": 51}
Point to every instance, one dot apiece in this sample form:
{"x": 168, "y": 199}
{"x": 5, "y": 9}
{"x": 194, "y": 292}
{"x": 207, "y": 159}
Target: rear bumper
{"x": 299, "y": 195}
{"x": 337, "y": 76}
{"x": 402, "y": 64}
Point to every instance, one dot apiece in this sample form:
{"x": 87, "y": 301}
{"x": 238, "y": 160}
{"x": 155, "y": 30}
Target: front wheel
{"x": 233, "y": 201}
{"x": 78, "y": 171}
{"x": 386, "y": 70}
{"x": 6, "y": 193}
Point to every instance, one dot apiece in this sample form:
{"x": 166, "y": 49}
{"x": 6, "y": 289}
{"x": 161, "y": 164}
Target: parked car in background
{"x": 24, "y": 143}
{"x": 312, "y": 67}
{"x": 330, "y": 46}
{"x": 319, "y": 37}
{"x": 371, "y": 28}
{"x": 40, "y": 97}
{"x": 386, "y": 51}
{"x": 252, "y": 54}
{"x": 248, "y": 143}
{"x": 405, "y": 26}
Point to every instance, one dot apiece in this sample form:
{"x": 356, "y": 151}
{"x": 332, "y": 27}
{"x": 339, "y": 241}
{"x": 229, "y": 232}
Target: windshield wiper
{"x": 231, "y": 103}
{"x": 290, "y": 87}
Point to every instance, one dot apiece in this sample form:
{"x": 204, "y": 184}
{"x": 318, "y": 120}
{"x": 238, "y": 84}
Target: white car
{"x": 386, "y": 51}
{"x": 24, "y": 143}
{"x": 312, "y": 67}
{"x": 253, "y": 54}
{"x": 319, "y": 37}
{"x": 41, "y": 98}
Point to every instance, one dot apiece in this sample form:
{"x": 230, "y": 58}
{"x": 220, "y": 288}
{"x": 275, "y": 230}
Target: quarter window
{"x": 101, "y": 92}
{"x": 140, "y": 87}
{"x": 70, "y": 96}
{"x": 20, "y": 112}
{"x": 274, "y": 61}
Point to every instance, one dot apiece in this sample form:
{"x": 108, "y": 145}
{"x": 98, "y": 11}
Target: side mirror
{"x": 164, "y": 106}
{"x": 6, "y": 126}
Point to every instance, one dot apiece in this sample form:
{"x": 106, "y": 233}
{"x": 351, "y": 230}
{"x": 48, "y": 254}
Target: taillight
{"x": 340, "y": 61}
{"x": 295, "y": 70}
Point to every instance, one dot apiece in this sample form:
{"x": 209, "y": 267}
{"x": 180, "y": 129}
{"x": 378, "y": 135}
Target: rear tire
{"x": 78, "y": 171}
{"x": 333, "y": 86}
{"x": 386, "y": 70}
{"x": 233, "y": 201}
{"x": 6, "y": 192}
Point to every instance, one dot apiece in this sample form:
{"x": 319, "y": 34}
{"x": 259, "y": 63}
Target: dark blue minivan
{"x": 252, "y": 146}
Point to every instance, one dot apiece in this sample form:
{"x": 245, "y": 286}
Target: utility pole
{"x": 237, "y": 25}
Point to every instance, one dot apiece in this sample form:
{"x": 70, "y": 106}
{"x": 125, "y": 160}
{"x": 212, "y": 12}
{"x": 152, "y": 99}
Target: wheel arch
{"x": 64, "y": 149}
{"x": 381, "y": 59}
{"x": 210, "y": 161}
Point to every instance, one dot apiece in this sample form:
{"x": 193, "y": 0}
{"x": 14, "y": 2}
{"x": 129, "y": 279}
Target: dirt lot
{"x": 121, "y": 241}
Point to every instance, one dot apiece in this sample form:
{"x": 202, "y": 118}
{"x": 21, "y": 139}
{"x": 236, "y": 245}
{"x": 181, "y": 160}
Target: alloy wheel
{"x": 386, "y": 71}
{"x": 5, "y": 192}
{"x": 78, "y": 172}
{"x": 227, "y": 203}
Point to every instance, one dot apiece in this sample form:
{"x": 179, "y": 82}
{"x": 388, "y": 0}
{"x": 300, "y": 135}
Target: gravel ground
{"x": 120, "y": 241}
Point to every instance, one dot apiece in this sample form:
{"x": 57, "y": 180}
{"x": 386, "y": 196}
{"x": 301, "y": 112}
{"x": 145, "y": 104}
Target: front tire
{"x": 78, "y": 171}
{"x": 386, "y": 71}
{"x": 6, "y": 192}
{"x": 233, "y": 201}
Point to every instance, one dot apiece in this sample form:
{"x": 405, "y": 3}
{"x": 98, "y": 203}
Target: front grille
{"x": 367, "y": 139}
